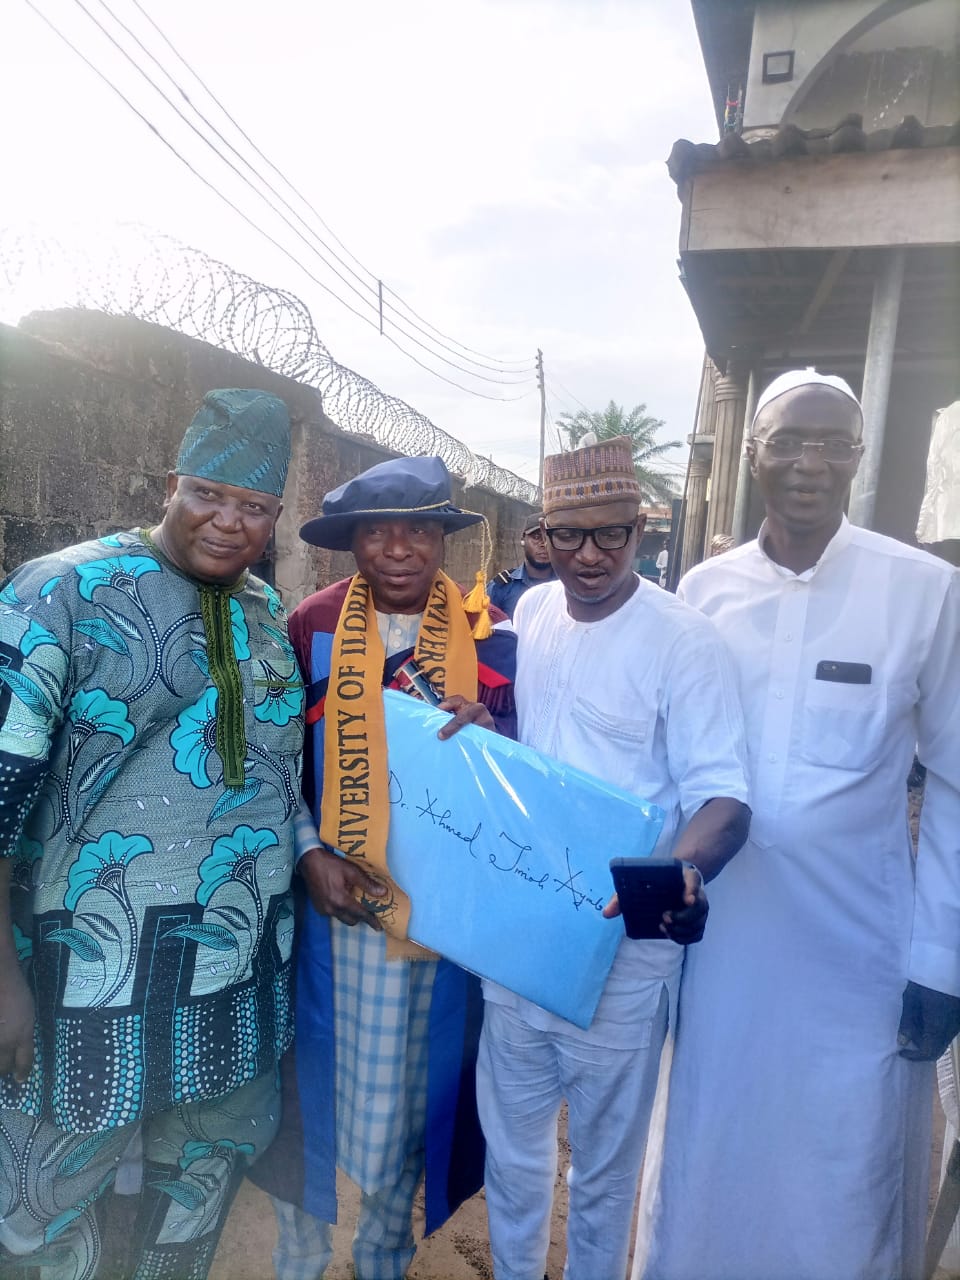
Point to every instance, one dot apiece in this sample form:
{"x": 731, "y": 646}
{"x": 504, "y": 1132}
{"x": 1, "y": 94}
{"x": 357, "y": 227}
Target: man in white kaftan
{"x": 618, "y": 678}
{"x": 795, "y": 1124}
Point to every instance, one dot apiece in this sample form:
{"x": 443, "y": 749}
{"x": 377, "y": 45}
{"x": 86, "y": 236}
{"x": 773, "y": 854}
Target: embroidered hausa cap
{"x": 595, "y": 473}
{"x": 403, "y": 487}
{"x": 239, "y": 437}
{"x": 803, "y": 378}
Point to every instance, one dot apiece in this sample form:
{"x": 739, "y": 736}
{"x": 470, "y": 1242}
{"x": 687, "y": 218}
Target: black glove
{"x": 929, "y": 1021}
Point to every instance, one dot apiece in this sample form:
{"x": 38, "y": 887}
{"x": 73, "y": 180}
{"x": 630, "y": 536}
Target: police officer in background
{"x": 509, "y": 585}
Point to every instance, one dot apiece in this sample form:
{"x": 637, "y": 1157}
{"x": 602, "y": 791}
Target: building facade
{"x": 823, "y": 228}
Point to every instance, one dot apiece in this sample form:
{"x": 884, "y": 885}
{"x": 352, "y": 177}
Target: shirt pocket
{"x": 617, "y": 743}
{"x": 844, "y": 725}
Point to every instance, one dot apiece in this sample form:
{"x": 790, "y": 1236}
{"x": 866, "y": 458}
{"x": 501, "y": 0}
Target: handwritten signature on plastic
{"x": 442, "y": 818}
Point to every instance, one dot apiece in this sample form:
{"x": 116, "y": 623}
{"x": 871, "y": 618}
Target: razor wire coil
{"x": 154, "y": 277}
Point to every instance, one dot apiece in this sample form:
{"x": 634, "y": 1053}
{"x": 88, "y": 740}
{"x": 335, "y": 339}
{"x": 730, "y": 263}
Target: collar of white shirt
{"x": 838, "y": 543}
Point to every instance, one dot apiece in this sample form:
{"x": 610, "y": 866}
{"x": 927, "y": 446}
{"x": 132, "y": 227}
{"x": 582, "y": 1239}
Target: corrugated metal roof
{"x": 687, "y": 158}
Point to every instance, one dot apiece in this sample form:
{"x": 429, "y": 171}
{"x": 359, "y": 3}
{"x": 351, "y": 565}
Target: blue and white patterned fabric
{"x": 150, "y": 900}
{"x": 193, "y": 1156}
{"x": 381, "y": 1077}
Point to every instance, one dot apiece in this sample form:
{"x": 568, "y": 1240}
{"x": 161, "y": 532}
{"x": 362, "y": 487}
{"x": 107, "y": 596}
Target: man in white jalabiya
{"x": 620, "y": 679}
{"x": 798, "y": 1125}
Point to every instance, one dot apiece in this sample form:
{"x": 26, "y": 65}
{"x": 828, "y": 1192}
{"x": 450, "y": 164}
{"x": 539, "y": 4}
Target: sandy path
{"x": 459, "y": 1251}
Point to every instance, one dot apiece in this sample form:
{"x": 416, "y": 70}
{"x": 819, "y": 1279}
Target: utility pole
{"x": 543, "y": 414}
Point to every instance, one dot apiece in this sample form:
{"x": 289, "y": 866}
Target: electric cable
{"x": 207, "y": 142}
{"x": 484, "y": 361}
{"x": 558, "y": 405}
{"x": 571, "y": 396}
{"x": 240, "y": 213}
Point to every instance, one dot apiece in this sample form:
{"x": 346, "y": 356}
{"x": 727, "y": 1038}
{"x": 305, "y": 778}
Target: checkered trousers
{"x": 381, "y": 1019}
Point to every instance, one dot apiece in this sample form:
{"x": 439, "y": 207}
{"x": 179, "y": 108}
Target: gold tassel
{"x": 477, "y": 601}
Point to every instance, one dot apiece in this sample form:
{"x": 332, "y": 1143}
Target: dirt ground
{"x": 459, "y": 1251}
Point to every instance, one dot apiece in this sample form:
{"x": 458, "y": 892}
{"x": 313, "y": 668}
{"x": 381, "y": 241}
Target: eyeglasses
{"x": 790, "y": 448}
{"x": 609, "y": 537}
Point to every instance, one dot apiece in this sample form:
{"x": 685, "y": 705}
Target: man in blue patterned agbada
{"x": 151, "y": 727}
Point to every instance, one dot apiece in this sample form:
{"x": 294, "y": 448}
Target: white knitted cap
{"x": 803, "y": 378}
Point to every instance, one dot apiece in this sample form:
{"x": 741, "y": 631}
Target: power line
{"x": 209, "y": 123}
{"x": 561, "y": 405}
{"x": 183, "y": 160}
{"x": 571, "y": 395}
{"x": 410, "y": 309}
{"x": 207, "y": 142}
{"x": 495, "y": 363}
{"x": 187, "y": 291}
{"x": 240, "y": 213}
{"x": 500, "y": 399}
{"x": 565, "y": 402}
{"x": 558, "y": 427}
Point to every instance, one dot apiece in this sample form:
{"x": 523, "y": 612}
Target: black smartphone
{"x": 646, "y": 888}
{"x": 844, "y": 672}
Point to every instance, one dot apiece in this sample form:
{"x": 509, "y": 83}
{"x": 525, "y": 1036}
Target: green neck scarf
{"x": 224, "y": 667}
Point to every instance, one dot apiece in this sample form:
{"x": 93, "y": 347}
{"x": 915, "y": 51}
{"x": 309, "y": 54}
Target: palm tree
{"x": 641, "y": 430}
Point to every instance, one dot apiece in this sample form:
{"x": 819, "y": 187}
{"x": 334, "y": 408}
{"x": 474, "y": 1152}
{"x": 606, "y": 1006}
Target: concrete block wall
{"x": 92, "y": 412}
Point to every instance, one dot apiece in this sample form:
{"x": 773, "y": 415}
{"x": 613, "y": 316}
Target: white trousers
{"x": 523, "y": 1075}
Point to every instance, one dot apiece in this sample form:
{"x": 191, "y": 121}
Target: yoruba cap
{"x": 403, "y": 487}
{"x": 803, "y": 378}
{"x": 596, "y": 473}
{"x": 239, "y": 437}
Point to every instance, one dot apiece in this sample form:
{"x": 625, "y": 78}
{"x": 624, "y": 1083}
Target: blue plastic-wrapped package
{"x": 504, "y": 853}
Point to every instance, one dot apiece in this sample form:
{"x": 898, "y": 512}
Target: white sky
{"x": 499, "y": 163}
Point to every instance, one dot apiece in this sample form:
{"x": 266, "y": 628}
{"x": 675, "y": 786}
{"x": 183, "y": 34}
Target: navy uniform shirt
{"x": 507, "y": 587}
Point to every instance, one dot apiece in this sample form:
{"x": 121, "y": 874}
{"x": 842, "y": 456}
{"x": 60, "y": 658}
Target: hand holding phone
{"x": 646, "y": 888}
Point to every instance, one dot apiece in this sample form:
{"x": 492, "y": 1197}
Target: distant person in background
{"x": 647, "y": 569}
{"x": 507, "y": 587}
{"x": 663, "y": 561}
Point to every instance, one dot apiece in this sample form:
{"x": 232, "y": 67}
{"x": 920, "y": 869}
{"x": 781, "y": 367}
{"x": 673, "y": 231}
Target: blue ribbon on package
{"x": 504, "y": 853}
